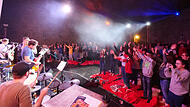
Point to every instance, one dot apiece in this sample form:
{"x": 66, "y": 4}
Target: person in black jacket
{"x": 165, "y": 75}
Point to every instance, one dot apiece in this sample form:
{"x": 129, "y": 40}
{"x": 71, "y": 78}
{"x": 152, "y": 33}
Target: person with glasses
{"x": 179, "y": 85}
{"x": 185, "y": 57}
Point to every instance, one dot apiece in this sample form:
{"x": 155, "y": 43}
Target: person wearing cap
{"x": 28, "y": 54}
{"x": 147, "y": 70}
{"x": 4, "y": 48}
{"x": 14, "y": 93}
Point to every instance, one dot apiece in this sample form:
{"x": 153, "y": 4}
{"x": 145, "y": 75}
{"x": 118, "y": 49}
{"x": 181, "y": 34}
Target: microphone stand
{"x": 44, "y": 75}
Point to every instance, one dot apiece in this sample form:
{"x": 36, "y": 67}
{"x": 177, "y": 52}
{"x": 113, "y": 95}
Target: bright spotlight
{"x": 66, "y": 8}
{"x": 136, "y": 38}
{"x": 148, "y": 23}
{"x": 177, "y": 13}
{"x": 128, "y": 25}
{"x": 107, "y": 22}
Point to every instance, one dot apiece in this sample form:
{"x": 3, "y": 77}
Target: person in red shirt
{"x": 126, "y": 68}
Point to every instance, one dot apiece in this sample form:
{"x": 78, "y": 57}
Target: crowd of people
{"x": 166, "y": 66}
{"x": 162, "y": 65}
{"x": 75, "y": 51}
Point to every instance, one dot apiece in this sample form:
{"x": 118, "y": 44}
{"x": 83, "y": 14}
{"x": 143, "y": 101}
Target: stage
{"x": 122, "y": 97}
{"x": 119, "y": 98}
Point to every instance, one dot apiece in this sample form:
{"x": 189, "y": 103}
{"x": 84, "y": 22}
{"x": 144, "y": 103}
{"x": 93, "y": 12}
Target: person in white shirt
{"x": 4, "y": 48}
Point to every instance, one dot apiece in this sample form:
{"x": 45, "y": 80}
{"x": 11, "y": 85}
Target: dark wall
{"x": 33, "y": 19}
{"x": 171, "y": 29}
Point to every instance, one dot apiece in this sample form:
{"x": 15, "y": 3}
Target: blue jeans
{"x": 112, "y": 67}
{"x": 102, "y": 67}
{"x": 165, "y": 88}
{"x": 125, "y": 76}
{"x": 147, "y": 87}
{"x": 175, "y": 100}
{"x": 135, "y": 75}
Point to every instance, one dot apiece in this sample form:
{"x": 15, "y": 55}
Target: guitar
{"x": 11, "y": 52}
{"x": 34, "y": 72}
{"x": 42, "y": 52}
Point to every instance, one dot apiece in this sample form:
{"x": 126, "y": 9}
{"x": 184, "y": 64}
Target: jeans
{"x": 70, "y": 57}
{"x": 125, "y": 76}
{"x": 147, "y": 87}
{"x": 102, "y": 67}
{"x": 165, "y": 88}
{"x": 112, "y": 67}
{"x": 175, "y": 100}
{"x": 135, "y": 75}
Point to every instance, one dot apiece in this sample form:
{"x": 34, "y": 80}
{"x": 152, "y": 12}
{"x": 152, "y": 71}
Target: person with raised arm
{"x": 147, "y": 70}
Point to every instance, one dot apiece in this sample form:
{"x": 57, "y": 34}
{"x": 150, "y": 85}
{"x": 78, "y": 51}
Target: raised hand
{"x": 134, "y": 49}
{"x": 164, "y": 51}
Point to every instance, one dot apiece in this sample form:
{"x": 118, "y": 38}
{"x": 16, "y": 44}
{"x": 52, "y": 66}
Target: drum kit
{"x": 56, "y": 86}
{"x": 5, "y": 69}
{"x": 5, "y": 62}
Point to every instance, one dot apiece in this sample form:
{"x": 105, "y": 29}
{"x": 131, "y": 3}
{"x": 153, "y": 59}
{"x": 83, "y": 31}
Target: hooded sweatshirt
{"x": 148, "y": 64}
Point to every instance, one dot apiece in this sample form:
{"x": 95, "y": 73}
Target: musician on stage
{"x": 15, "y": 93}
{"x": 4, "y": 59}
{"x": 27, "y": 53}
{"x": 21, "y": 46}
{"x": 4, "y": 48}
{"x": 25, "y": 41}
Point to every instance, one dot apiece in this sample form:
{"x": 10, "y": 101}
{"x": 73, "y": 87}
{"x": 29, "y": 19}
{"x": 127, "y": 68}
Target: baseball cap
{"x": 21, "y": 68}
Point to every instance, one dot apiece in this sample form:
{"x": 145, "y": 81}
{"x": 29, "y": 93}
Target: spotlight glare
{"x": 128, "y": 25}
{"x": 148, "y": 23}
{"x": 177, "y": 13}
{"x": 66, "y": 8}
{"x": 137, "y": 37}
{"x": 107, "y": 22}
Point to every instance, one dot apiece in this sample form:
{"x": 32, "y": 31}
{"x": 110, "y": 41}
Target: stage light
{"x": 66, "y": 8}
{"x": 128, "y": 25}
{"x": 177, "y": 13}
{"x": 107, "y": 22}
{"x": 136, "y": 38}
{"x": 148, "y": 23}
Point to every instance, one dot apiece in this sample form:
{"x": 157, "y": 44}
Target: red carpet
{"x": 93, "y": 62}
{"x": 113, "y": 84}
{"x": 70, "y": 62}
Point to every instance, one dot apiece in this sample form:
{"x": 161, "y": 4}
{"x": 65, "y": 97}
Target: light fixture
{"x": 128, "y": 25}
{"x": 107, "y": 22}
{"x": 136, "y": 38}
{"x": 66, "y": 8}
{"x": 177, "y": 13}
{"x": 148, "y": 23}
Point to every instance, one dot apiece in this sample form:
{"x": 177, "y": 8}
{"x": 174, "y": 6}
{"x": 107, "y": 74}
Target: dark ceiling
{"x": 136, "y": 10}
{"x": 118, "y": 10}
